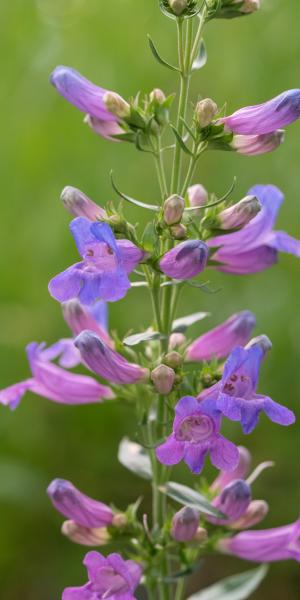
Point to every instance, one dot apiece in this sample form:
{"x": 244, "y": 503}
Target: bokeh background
{"x": 44, "y": 147}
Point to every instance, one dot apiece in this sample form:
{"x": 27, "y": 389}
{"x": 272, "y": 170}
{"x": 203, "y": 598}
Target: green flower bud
{"x": 178, "y": 6}
{"x": 173, "y": 209}
{"x": 157, "y": 95}
{"x": 178, "y": 232}
{"x": 205, "y": 112}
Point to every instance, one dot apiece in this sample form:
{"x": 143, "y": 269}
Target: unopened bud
{"x": 233, "y": 501}
{"x": 79, "y": 205}
{"x": 173, "y": 209}
{"x": 173, "y": 359}
{"x": 84, "y": 535}
{"x": 201, "y": 535}
{"x": 205, "y": 111}
{"x": 197, "y": 195}
{"x": 119, "y": 520}
{"x": 185, "y": 524}
{"x": 116, "y": 105}
{"x": 262, "y": 341}
{"x": 163, "y": 378}
{"x": 250, "y": 6}
{"x": 176, "y": 340}
{"x": 179, "y": 231}
{"x": 240, "y": 213}
{"x": 158, "y": 96}
{"x": 255, "y": 513}
{"x": 178, "y": 6}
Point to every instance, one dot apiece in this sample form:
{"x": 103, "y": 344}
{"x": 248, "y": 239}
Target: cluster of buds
{"x": 173, "y": 210}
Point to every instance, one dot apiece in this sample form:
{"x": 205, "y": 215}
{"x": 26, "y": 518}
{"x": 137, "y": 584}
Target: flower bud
{"x": 173, "y": 209}
{"x": 255, "y": 513}
{"x": 178, "y": 6}
{"x": 179, "y": 231}
{"x": 84, "y": 535}
{"x": 249, "y": 6}
{"x": 205, "y": 111}
{"x": 197, "y": 195}
{"x": 116, "y": 105}
{"x": 232, "y": 502}
{"x": 119, "y": 520}
{"x": 79, "y": 205}
{"x": 185, "y": 524}
{"x": 173, "y": 359}
{"x": 163, "y": 378}
{"x": 240, "y": 213}
{"x": 201, "y": 535}
{"x": 262, "y": 341}
{"x": 176, "y": 339}
{"x": 78, "y": 507}
{"x": 157, "y": 96}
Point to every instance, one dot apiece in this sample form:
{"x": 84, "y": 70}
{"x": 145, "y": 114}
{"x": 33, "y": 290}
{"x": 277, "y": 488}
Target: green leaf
{"x": 181, "y": 142}
{"x": 237, "y": 587}
{"x": 201, "y": 59}
{"x": 133, "y": 457}
{"x": 189, "y": 497}
{"x": 149, "y": 238}
{"x": 132, "y": 200}
{"x": 181, "y": 325}
{"x": 159, "y": 59}
{"x": 147, "y": 336}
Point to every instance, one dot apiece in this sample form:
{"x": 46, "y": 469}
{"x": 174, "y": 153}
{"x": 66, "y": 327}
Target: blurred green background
{"x": 44, "y": 147}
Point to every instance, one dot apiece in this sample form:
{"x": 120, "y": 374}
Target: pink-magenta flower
{"x": 103, "y": 272}
{"x": 240, "y": 472}
{"x": 253, "y": 145}
{"x": 268, "y": 545}
{"x": 88, "y": 98}
{"x": 78, "y": 507}
{"x": 185, "y": 524}
{"x": 255, "y": 247}
{"x": 267, "y": 117}
{"x": 54, "y": 383}
{"x": 107, "y": 363}
{"x": 79, "y": 205}
{"x": 94, "y": 318}
{"x": 186, "y": 260}
{"x": 110, "y": 578}
{"x": 196, "y": 433}
{"x": 218, "y": 342}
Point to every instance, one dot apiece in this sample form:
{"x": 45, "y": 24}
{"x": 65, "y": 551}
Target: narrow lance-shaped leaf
{"x": 159, "y": 59}
{"x": 181, "y": 142}
{"x": 237, "y": 587}
{"x": 189, "y": 497}
{"x": 132, "y": 456}
{"x": 146, "y": 336}
{"x": 132, "y": 200}
{"x": 181, "y": 325}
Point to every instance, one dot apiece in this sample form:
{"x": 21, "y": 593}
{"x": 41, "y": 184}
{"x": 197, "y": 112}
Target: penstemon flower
{"x": 182, "y": 389}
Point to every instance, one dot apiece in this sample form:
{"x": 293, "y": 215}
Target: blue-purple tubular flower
{"x": 52, "y": 382}
{"x": 218, "y": 342}
{"x": 196, "y": 433}
{"x": 267, "y": 117}
{"x": 102, "y": 274}
{"x": 78, "y": 507}
{"x": 111, "y": 578}
{"x": 107, "y": 363}
{"x": 255, "y": 247}
{"x": 233, "y": 502}
{"x": 235, "y": 396}
{"x": 185, "y": 261}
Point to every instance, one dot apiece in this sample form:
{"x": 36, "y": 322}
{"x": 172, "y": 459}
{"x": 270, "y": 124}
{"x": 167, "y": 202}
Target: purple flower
{"x": 218, "y": 342}
{"x": 236, "y": 397}
{"x": 196, "y": 433}
{"x": 78, "y": 507}
{"x": 186, "y": 260}
{"x": 103, "y": 272}
{"x": 110, "y": 578}
{"x": 252, "y": 145}
{"x": 233, "y": 502}
{"x": 107, "y": 363}
{"x": 241, "y": 471}
{"x": 88, "y": 98}
{"x": 268, "y": 545}
{"x": 185, "y": 524}
{"x": 256, "y": 246}
{"x": 93, "y": 318}
{"x": 52, "y": 382}
{"x": 267, "y": 117}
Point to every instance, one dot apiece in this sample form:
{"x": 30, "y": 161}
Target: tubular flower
{"x": 218, "y": 342}
{"x": 253, "y": 145}
{"x": 255, "y": 247}
{"x": 107, "y": 363}
{"x": 235, "y": 396}
{"x": 88, "y": 98}
{"x": 268, "y": 545}
{"x": 52, "y": 382}
{"x": 267, "y": 117}
{"x": 79, "y": 205}
{"x": 233, "y": 502}
{"x": 185, "y": 524}
{"x": 186, "y": 260}
{"x": 80, "y": 317}
{"x": 111, "y": 578}
{"x": 78, "y": 507}
{"x": 103, "y": 272}
{"x": 196, "y": 433}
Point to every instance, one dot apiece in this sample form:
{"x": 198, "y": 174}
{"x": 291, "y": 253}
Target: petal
{"x": 246, "y": 263}
{"x": 229, "y": 406}
{"x": 93, "y": 561}
{"x": 224, "y": 454}
{"x": 82, "y": 234}
{"x": 171, "y": 452}
{"x": 186, "y": 406}
{"x": 282, "y": 242}
{"x": 278, "y": 413}
{"x": 12, "y": 395}
{"x": 130, "y": 254}
{"x": 78, "y": 593}
{"x": 250, "y": 415}
{"x": 67, "y": 285}
{"x": 194, "y": 458}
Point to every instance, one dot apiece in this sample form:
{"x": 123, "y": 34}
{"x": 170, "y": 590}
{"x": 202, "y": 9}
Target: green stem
{"x": 180, "y": 589}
